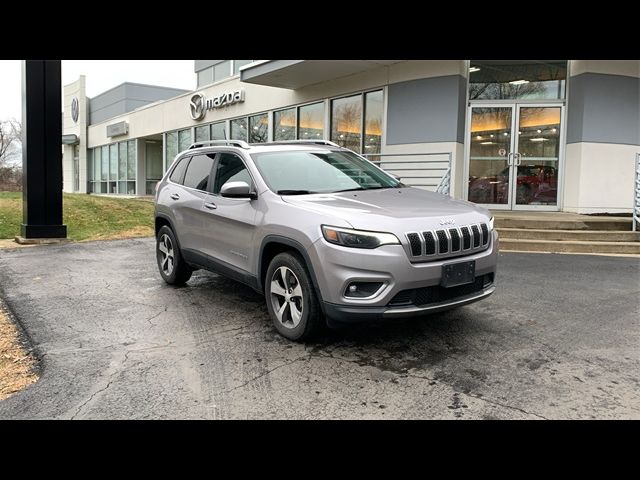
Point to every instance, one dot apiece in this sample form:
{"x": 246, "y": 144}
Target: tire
{"x": 175, "y": 271}
{"x": 295, "y": 311}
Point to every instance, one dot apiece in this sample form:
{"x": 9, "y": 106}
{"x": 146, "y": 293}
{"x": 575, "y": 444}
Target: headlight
{"x": 491, "y": 224}
{"x": 358, "y": 238}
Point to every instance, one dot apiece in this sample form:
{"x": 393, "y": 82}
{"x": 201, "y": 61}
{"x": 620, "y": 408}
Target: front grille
{"x": 476, "y": 236}
{"x": 420, "y": 297}
{"x": 451, "y": 242}
{"x": 429, "y": 243}
{"x": 443, "y": 241}
{"x": 485, "y": 234}
{"x": 416, "y": 245}
{"x": 466, "y": 238}
{"x": 455, "y": 239}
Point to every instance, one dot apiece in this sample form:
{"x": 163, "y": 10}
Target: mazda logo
{"x": 75, "y": 109}
{"x": 196, "y": 106}
{"x": 447, "y": 221}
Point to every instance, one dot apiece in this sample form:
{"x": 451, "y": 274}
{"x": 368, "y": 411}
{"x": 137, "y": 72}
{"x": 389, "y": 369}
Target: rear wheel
{"x": 291, "y": 298}
{"x": 172, "y": 266}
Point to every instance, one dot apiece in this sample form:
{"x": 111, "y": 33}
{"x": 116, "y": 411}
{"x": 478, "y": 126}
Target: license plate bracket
{"x": 460, "y": 273}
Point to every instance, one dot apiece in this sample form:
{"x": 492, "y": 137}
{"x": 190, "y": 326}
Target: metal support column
{"x": 42, "y": 150}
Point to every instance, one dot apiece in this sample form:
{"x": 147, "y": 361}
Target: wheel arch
{"x": 271, "y": 246}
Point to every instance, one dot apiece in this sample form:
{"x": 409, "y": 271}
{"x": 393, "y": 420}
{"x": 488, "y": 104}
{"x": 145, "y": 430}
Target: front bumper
{"x": 350, "y": 314}
{"x": 336, "y": 267}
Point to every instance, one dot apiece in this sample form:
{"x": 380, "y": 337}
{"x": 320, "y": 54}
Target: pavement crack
{"x": 156, "y": 316}
{"x": 109, "y": 382}
{"x": 266, "y": 373}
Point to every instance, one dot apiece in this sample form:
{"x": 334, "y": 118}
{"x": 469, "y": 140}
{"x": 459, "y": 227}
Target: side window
{"x": 198, "y": 172}
{"x": 177, "y": 175}
{"x": 230, "y": 168}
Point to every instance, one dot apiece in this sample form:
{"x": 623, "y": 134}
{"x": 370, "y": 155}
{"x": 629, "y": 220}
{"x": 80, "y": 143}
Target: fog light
{"x": 362, "y": 289}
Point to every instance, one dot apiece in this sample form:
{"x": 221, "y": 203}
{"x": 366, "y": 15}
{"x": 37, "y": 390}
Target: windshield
{"x": 299, "y": 172}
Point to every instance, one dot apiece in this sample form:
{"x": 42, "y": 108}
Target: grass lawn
{"x": 88, "y": 217}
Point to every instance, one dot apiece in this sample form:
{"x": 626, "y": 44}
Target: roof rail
{"x": 232, "y": 143}
{"x": 298, "y": 142}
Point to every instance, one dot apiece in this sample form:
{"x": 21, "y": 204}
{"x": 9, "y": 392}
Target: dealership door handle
{"x": 174, "y": 196}
{"x": 509, "y": 162}
{"x": 517, "y": 158}
{"x": 210, "y": 206}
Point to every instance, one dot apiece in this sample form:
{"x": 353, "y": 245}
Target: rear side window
{"x": 198, "y": 171}
{"x": 177, "y": 175}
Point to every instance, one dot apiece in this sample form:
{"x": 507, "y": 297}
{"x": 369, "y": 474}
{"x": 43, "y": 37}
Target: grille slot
{"x": 416, "y": 245}
{"x": 455, "y": 239}
{"x": 429, "y": 243}
{"x": 443, "y": 241}
{"x": 476, "y": 236}
{"x": 466, "y": 238}
{"x": 485, "y": 234}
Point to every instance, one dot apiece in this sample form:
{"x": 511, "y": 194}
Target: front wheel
{"x": 172, "y": 266}
{"x": 291, "y": 298}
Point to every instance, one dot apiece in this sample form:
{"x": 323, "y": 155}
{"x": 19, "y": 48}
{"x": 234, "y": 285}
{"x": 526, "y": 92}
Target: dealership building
{"x": 558, "y": 135}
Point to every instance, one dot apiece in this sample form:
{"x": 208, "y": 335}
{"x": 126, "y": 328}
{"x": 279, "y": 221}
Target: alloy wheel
{"x": 286, "y": 297}
{"x": 165, "y": 246}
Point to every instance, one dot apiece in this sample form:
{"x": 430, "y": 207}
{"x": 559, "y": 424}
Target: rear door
{"x": 230, "y": 225}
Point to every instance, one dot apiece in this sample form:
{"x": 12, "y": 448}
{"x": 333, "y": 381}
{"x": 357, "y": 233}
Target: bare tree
{"x": 10, "y": 140}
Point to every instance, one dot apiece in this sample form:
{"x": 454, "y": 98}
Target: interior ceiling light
{"x": 519, "y": 82}
{"x": 474, "y": 69}
{"x": 539, "y": 139}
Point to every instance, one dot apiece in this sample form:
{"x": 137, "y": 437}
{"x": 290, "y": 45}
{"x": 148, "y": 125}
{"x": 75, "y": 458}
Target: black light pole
{"x": 41, "y": 151}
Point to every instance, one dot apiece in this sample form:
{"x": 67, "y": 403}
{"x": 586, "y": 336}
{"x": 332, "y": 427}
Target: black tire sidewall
{"x": 310, "y": 311}
{"x": 179, "y": 267}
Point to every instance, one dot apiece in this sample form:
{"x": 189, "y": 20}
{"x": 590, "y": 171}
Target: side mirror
{"x": 237, "y": 190}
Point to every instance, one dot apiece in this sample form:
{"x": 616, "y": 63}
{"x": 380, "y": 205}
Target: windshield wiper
{"x": 368, "y": 188}
{"x": 294, "y": 192}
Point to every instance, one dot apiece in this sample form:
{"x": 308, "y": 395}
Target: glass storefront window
{"x": 202, "y": 133}
{"x": 284, "y": 124}
{"x": 122, "y": 161}
{"x": 97, "y": 160}
{"x": 105, "y": 164}
{"x": 218, "y": 131}
{"x": 239, "y": 63}
{"x": 184, "y": 139}
{"x": 171, "y": 147}
{"x": 311, "y": 121}
{"x": 131, "y": 160}
{"x": 372, "y": 122}
{"x": 508, "y": 79}
{"x": 346, "y": 122}
{"x": 259, "y": 128}
{"x": 239, "y": 129}
{"x": 113, "y": 162}
{"x": 221, "y": 71}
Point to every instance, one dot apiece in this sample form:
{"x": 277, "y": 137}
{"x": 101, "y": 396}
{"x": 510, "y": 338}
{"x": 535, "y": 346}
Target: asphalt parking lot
{"x": 559, "y": 339}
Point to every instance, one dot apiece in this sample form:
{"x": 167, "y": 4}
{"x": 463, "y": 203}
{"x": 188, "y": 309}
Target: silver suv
{"x": 326, "y": 235}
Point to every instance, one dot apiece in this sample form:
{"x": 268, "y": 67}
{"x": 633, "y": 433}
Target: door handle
{"x": 509, "y": 162}
{"x": 210, "y": 205}
{"x": 517, "y": 158}
{"x": 174, "y": 196}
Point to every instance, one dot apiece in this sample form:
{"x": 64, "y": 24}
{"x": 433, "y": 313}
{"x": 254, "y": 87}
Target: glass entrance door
{"x": 514, "y": 153}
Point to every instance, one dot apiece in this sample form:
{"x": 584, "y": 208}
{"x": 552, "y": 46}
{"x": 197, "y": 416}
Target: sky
{"x": 101, "y": 75}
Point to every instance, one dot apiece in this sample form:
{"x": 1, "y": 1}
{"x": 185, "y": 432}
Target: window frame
{"x": 215, "y": 172}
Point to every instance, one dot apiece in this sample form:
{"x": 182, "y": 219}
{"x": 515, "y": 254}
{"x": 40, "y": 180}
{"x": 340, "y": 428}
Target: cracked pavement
{"x": 560, "y": 338}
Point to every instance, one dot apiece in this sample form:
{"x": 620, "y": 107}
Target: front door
{"x": 514, "y": 156}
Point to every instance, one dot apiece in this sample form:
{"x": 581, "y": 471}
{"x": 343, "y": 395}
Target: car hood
{"x": 397, "y": 209}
